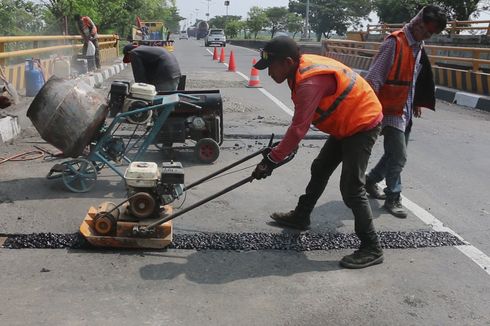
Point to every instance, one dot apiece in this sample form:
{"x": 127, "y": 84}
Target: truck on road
{"x": 202, "y": 30}
{"x": 152, "y": 34}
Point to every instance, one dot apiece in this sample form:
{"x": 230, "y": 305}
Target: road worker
{"x": 153, "y": 65}
{"x": 339, "y": 102}
{"x": 401, "y": 76}
{"x": 88, "y": 30}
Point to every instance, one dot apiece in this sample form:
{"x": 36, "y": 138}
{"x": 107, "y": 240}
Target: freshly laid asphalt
{"x": 446, "y": 176}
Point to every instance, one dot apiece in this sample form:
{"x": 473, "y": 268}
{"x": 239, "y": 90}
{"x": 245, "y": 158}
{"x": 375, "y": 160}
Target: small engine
{"x": 125, "y": 97}
{"x": 150, "y": 187}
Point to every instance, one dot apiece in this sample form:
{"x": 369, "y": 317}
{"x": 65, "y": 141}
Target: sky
{"x": 187, "y": 8}
{"x": 190, "y": 9}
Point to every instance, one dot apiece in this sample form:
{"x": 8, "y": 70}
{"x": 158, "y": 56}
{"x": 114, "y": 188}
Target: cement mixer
{"x": 71, "y": 116}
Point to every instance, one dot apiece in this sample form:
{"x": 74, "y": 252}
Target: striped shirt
{"x": 380, "y": 68}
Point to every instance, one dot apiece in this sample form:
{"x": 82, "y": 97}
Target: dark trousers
{"x": 391, "y": 164}
{"x": 353, "y": 152}
{"x": 97, "y": 53}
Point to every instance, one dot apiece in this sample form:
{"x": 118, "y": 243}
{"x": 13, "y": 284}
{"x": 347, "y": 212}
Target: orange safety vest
{"x": 354, "y": 106}
{"x": 394, "y": 93}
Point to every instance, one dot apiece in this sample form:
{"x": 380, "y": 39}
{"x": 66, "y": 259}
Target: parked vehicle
{"x": 183, "y": 35}
{"x": 215, "y": 36}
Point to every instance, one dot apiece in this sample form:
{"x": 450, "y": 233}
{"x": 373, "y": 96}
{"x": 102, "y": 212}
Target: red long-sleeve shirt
{"x": 309, "y": 95}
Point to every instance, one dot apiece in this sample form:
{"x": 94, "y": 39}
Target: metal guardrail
{"x": 461, "y": 68}
{"x": 105, "y": 41}
{"x": 454, "y": 27}
{"x": 467, "y": 57}
{"x": 10, "y": 58}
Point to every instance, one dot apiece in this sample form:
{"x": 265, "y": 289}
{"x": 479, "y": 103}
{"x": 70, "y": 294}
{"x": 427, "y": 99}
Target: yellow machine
{"x": 152, "y": 34}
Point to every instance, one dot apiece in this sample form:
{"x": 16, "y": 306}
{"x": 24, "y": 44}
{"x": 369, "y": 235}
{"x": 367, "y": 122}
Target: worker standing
{"x": 401, "y": 76}
{"x": 339, "y": 102}
{"x": 153, "y": 65}
{"x": 88, "y": 30}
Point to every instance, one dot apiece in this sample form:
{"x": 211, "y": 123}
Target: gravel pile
{"x": 45, "y": 241}
{"x": 252, "y": 241}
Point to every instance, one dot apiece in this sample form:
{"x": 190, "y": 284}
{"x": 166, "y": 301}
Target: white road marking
{"x": 473, "y": 253}
{"x": 274, "y": 99}
{"x": 470, "y": 251}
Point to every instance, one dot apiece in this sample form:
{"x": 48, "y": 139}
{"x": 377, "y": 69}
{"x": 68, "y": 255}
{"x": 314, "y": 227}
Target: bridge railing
{"x": 15, "y": 48}
{"x": 454, "y": 27}
{"x": 465, "y": 68}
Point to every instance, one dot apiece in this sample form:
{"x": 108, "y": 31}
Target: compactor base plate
{"x": 123, "y": 237}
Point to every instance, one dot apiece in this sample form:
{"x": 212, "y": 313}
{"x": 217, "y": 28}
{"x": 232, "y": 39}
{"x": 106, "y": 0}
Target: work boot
{"x": 362, "y": 258}
{"x": 292, "y": 219}
{"x": 373, "y": 189}
{"x": 394, "y": 207}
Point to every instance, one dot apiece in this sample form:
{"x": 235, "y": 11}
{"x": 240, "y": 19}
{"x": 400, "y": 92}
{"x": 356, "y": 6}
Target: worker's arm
{"x": 309, "y": 95}
{"x": 138, "y": 67}
{"x": 380, "y": 68}
{"x": 91, "y": 26}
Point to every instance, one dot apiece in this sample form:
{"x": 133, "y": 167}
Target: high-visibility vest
{"x": 354, "y": 106}
{"x": 394, "y": 93}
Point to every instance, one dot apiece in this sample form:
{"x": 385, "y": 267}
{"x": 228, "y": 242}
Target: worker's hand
{"x": 417, "y": 111}
{"x": 264, "y": 168}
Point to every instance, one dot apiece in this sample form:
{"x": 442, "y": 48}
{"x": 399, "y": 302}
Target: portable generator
{"x": 199, "y": 120}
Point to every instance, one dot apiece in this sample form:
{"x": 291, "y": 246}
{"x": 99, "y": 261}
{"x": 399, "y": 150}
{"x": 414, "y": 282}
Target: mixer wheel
{"x": 206, "y": 150}
{"x": 79, "y": 175}
{"x": 142, "y": 205}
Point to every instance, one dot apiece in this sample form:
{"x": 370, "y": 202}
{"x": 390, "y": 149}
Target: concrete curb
{"x": 9, "y": 121}
{"x": 474, "y": 101}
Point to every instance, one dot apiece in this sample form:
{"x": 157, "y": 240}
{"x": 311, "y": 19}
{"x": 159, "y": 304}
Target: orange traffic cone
{"x": 254, "y": 76}
{"x": 215, "y": 53}
{"x": 232, "y": 64}
{"x": 222, "y": 56}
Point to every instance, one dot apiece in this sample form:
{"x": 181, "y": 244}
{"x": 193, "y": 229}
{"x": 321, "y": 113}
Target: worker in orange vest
{"x": 88, "y": 31}
{"x": 401, "y": 75}
{"x": 339, "y": 102}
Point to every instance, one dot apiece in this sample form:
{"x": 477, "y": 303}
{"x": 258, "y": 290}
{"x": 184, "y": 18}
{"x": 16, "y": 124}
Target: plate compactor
{"x": 144, "y": 219}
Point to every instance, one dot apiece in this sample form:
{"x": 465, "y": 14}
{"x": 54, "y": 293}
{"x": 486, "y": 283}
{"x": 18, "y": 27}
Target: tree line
{"x": 55, "y": 17}
{"x": 327, "y": 17}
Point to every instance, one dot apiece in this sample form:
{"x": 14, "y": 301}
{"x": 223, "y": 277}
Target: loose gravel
{"x": 251, "y": 241}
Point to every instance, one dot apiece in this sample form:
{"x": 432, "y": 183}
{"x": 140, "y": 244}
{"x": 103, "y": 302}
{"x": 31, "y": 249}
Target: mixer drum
{"x": 68, "y": 114}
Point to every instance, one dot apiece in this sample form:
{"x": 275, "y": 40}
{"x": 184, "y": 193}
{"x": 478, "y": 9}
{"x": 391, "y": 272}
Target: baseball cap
{"x": 127, "y": 48}
{"x": 278, "y": 47}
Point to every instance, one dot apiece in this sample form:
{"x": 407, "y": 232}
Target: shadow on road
{"x": 214, "y": 267}
{"x": 41, "y": 188}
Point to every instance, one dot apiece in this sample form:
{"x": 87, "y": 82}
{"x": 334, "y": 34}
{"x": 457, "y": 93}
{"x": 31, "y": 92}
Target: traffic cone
{"x": 222, "y": 56}
{"x": 254, "y": 76}
{"x": 232, "y": 64}
{"x": 215, "y": 53}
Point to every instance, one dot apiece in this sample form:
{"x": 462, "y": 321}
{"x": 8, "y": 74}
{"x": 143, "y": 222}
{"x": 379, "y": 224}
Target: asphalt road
{"x": 445, "y": 180}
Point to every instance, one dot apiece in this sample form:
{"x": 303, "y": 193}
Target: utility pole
{"x": 306, "y": 30}
{"x": 227, "y": 3}
{"x": 207, "y": 15}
